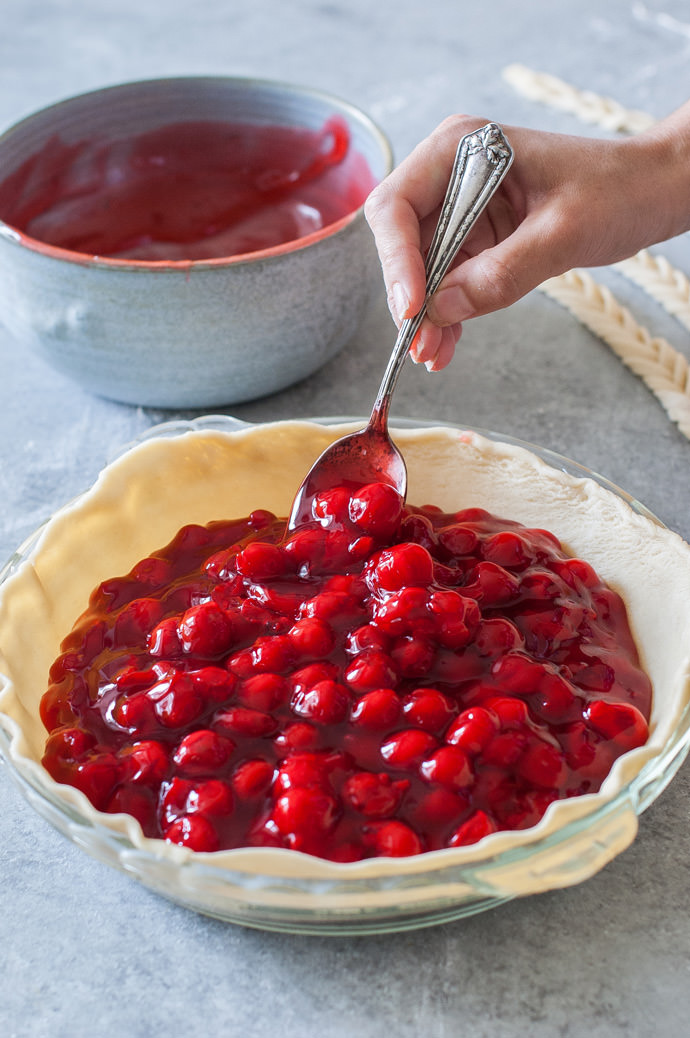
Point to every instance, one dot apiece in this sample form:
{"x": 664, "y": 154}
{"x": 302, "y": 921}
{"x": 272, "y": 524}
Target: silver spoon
{"x": 369, "y": 456}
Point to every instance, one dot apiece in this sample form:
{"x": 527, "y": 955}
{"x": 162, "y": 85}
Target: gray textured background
{"x": 83, "y": 950}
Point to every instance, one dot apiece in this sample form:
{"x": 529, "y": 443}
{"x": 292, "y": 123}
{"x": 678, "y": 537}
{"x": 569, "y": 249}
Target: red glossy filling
{"x": 388, "y": 680}
{"x": 192, "y": 190}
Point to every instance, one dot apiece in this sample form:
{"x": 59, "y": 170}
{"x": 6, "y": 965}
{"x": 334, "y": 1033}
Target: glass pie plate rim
{"x": 429, "y": 890}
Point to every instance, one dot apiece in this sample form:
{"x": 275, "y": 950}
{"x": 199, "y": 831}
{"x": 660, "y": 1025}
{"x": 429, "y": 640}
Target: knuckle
{"x": 377, "y": 203}
{"x": 495, "y": 284}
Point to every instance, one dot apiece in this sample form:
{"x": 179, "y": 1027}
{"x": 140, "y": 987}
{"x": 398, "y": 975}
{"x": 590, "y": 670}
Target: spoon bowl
{"x": 366, "y": 456}
{"x": 481, "y": 161}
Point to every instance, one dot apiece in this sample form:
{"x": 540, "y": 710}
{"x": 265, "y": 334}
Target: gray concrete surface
{"x": 83, "y": 950}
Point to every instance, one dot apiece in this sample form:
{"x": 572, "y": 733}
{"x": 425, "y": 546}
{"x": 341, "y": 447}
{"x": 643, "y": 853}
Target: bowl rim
{"x": 16, "y": 237}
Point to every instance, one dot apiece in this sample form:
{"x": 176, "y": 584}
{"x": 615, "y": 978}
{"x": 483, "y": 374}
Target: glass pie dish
{"x": 216, "y": 467}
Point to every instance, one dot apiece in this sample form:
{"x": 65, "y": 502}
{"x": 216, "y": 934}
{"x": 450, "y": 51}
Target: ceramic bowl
{"x": 180, "y": 474}
{"x": 186, "y": 332}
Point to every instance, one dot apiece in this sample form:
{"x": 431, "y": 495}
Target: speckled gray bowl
{"x": 189, "y": 333}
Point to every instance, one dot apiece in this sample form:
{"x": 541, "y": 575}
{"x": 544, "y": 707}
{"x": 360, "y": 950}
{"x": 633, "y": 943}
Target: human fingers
{"x": 407, "y": 199}
{"x": 497, "y": 277}
{"x": 433, "y": 346}
{"x": 396, "y": 233}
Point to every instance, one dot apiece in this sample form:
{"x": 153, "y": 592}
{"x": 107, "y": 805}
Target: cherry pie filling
{"x": 385, "y": 681}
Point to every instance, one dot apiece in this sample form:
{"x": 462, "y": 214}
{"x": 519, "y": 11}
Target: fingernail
{"x": 450, "y": 306}
{"x": 401, "y": 302}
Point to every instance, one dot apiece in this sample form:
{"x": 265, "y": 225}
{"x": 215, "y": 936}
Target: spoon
{"x": 370, "y": 456}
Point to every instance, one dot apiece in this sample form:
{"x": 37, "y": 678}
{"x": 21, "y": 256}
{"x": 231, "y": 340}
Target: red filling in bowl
{"x": 188, "y": 190}
{"x": 386, "y": 681}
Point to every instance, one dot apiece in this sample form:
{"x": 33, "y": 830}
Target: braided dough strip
{"x": 587, "y": 106}
{"x": 665, "y": 284}
{"x": 664, "y": 370}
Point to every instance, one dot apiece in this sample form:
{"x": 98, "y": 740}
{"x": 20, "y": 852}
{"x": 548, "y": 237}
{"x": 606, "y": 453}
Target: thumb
{"x": 496, "y": 277}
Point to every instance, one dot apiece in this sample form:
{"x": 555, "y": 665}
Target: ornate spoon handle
{"x": 481, "y": 161}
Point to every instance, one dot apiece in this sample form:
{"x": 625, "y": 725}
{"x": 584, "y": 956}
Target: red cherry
{"x": 376, "y": 509}
{"x": 310, "y": 675}
{"x": 306, "y": 549}
{"x": 373, "y": 795}
{"x": 510, "y": 712}
{"x": 135, "y": 620}
{"x": 458, "y": 540}
{"x": 56, "y": 707}
{"x": 540, "y": 585}
{"x": 406, "y": 612}
{"x": 368, "y": 636}
{"x": 326, "y": 702}
{"x": 455, "y": 618}
{"x": 177, "y": 702}
{"x": 263, "y": 692}
{"x": 305, "y": 813}
{"x": 429, "y": 709}
{"x": 542, "y": 765}
{"x": 580, "y": 746}
{"x": 406, "y": 748}
{"x": 577, "y": 573}
{"x": 97, "y": 776}
{"x": 260, "y": 518}
{"x": 252, "y": 778}
{"x": 370, "y": 669}
{"x": 259, "y": 561}
{"x": 212, "y": 797}
{"x": 213, "y": 684}
{"x": 202, "y": 752}
{"x": 132, "y": 680}
{"x": 275, "y": 654}
{"x": 241, "y": 720}
{"x": 205, "y": 630}
{"x": 138, "y": 802}
{"x": 194, "y": 832}
{"x": 516, "y": 672}
{"x": 341, "y": 607}
{"x": 405, "y": 565}
{"x": 312, "y": 637}
{"x": 555, "y": 699}
{"x": 437, "y": 809}
{"x": 164, "y": 641}
{"x": 492, "y": 585}
{"x": 332, "y": 506}
{"x": 303, "y": 770}
{"x": 394, "y": 839}
{"x": 474, "y": 829}
{"x": 145, "y": 763}
{"x": 153, "y": 572}
{"x": 621, "y": 722}
{"x": 69, "y": 744}
{"x": 449, "y": 766}
{"x": 472, "y": 730}
{"x": 504, "y": 749}
{"x": 377, "y": 710}
{"x": 496, "y": 636}
{"x": 136, "y": 713}
{"x": 296, "y": 738}
{"x": 418, "y": 528}
{"x": 508, "y": 549}
{"x": 413, "y": 656}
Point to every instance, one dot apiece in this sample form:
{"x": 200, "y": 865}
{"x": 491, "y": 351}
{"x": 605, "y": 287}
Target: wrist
{"x": 662, "y": 167}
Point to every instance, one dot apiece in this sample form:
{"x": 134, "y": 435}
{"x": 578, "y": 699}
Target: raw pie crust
{"x": 142, "y": 499}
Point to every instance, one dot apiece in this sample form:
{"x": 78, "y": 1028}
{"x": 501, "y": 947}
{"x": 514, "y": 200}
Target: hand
{"x": 566, "y": 201}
